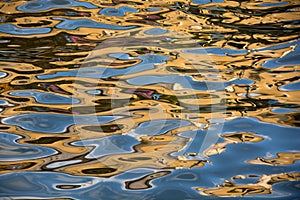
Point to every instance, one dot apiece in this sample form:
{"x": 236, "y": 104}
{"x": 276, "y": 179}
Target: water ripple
{"x": 12, "y": 29}
{"x": 42, "y": 5}
{"x": 53, "y": 123}
{"x": 149, "y": 100}
{"x": 45, "y": 98}
{"x": 121, "y": 11}
{"x": 71, "y": 24}
{"x": 12, "y": 151}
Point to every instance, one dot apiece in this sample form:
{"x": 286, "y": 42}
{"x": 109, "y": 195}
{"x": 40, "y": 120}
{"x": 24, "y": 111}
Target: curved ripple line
{"x": 42, "y": 5}
{"x": 72, "y": 24}
{"x": 3, "y": 74}
{"x": 217, "y": 51}
{"x": 54, "y": 123}
{"x": 12, "y": 29}
{"x": 45, "y": 98}
{"x": 186, "y": 82}
{"x": 148, "y": 62}
{"x": 290, "y": 59}
{"x": 290, "y": 87}
{"x": 109, "y": 145}
{"x": 12, "y": 151}
{"x": 121, "y": 11}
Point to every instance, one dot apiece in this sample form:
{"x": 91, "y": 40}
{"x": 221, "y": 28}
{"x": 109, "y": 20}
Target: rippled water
{"x": 149, "y": 99}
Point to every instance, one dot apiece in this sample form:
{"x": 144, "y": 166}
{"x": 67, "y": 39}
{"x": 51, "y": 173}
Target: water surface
{"x": 118, "y": 99}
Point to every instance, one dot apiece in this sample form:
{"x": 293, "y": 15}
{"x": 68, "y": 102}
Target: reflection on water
{"x": 149, "y": 100}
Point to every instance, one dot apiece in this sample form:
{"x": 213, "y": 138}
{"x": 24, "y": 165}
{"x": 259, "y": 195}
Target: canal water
{"x": 149, "y": 99}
